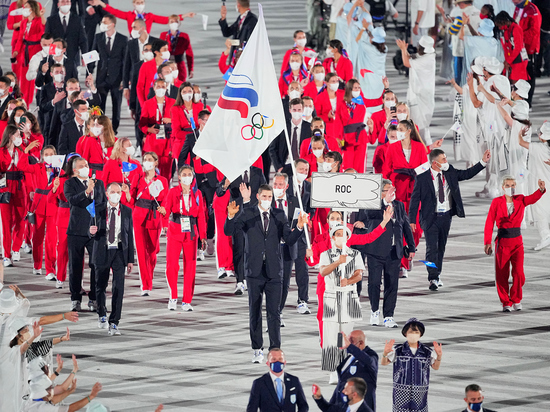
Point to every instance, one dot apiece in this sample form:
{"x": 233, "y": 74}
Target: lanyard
{"x": 186, "y": 206}
{"x": 145, "y": 188}
{"x": 159, "y": 115}
{"x": 103, "y": 149}
{"x": 125, "y": 174}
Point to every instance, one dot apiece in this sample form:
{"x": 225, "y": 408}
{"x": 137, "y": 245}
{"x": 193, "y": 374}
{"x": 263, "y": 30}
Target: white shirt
{"x": 112, "y": 37}
{"x": 285, "y": 205}
{"x": 118, "y": 220}
{"x": 43, "y": 406}
{"x": 298, "y": 133}
{"x": 186, "y": 201}
{"x": 78, "y": 126}
{"x": 446, "y": 205}
{"x": 141, "y": 46}
{"x": 2, "y": 100}
{"x": 473, "y": 13}
{"x": 274, "y": 377}
{"x": 61, "y": 15}
{"x": 510, "y": 207}
{"x": 34, "y": 65}
{"x": 355, "y": 406}
{"x": 428, "y": 18}
{"x": 407, "y": 153}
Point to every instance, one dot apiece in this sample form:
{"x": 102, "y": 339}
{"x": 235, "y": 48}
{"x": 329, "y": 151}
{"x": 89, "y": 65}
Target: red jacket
{"x": 89, "y": 147}
{"x": 180, "y": 124}
{"x": 498, "y": 213}
{"x": 180, "y": 45}
{"x": 150, "y": 116}
{"x": 379, "y": 157}
{"x": 323, "y": 107}
{"x": 58, "y": 198}
{"x": 112, "y": 172}
{"x": 131, "y": 16}
{"x": 143, "y": 216}
{"x": 530, "y": 23}
{"x": 284, "y": 81}
{"x": 35, "y": 33}
{"x": 146, "y": 77}
{"x": 348, "y": 116}
{"x": 13, "y": 20}
{"x": 344, "y": 67}
{"x": 379, "y": 120}
{"x": 286, "y": 58}
{"x": 42, "y": 183}
{"x": 222, "y": 63}
{"x": 34, "y": 137}
{"x": 172, "y": 204}
{"x": 311, "y": 90}
{"x": 512, "y": 43}
{"x": 15, "y": 187}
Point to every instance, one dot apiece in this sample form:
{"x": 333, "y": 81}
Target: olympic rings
{"x": 256, "y": 125}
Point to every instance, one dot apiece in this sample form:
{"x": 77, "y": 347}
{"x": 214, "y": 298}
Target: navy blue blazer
{"x": 333, "y": 407}
{"x": 264, "y": 398}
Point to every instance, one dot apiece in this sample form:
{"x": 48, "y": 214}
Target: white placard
{"x": 346, "y": 191}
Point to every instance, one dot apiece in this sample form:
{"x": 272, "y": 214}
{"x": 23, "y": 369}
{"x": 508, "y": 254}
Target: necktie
{"x": 64, "y": 23}
{"x": 279, "y": 385}
{"x": 245, "y": 177}
{"x": 108, "y": 45}
{"x": 441, "y": 190}
{"x": 266, "y": 221}
{"x": 280, "y": 203}
{"x": 112, "y": 226}
{"x": 295, "y": 143}
{"x": 81, "y": 129}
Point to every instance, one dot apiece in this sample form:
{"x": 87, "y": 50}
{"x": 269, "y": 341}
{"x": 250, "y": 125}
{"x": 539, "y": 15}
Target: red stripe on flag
{"x": 239, "y": 106}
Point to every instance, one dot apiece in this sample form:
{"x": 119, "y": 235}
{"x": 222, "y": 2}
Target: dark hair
{"x": 111, "y": 184}
{"x": 110, "y": 17}
{"x": 388, "y": 91}
{"x": 330, "y": 76}
{"x": 504, "y": 19}
{"x": 77, "y": 103}
{"x": 317, "y": 137}
{"x": 49, "y": 146}
{"x": 490, "y": 9}
{"x": 55, "y": 66}
{"x": 359, "y": 386}
{"x": 472, "y": 388}
{"x": 381, "y": 47}
{"x": 35, "y": 128}
{"x": 349, "y": 88}
{"x": 336, "y": 44}
{"x": 179, "y": 99}
{"x": 298, "y": 32}
{"x": 157, "y": 45}
{"x": 244, "y": 3}
{"x": 317, "y": 119}
{"x": 46, "y": 36}
{"x": 295, "y": 102}
{"x": 525, "y": 122}
{"x": 16, "y": 90}
{"x": 11, "y": 119}
{"x": 203, "y": 113}
{"x": 265, "y": 188}
{"x": 334, "y": 211}
{"x": 434, "y": 154}
{"x": 392, "y": 127}
{"x": 162, "y": 66}
{"x": 69, "y": 166}
{"x": 185, "y": 167}
{"x": 414, "y": 325}
{"x": 6, "y": 80}
{"x": 9, "y": 131}
{"x": 307, "y": 98}
{"x": 141, "y": 23}
{"x": 62, "y": 41}
{"x": 337, "y": 157}
{"x": 300, "y": 160}
{"x": 409, "y": 124}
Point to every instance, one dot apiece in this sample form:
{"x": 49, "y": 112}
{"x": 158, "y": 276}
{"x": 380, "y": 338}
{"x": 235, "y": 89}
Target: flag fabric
{"x": 428, "y": 263}
{"x": 193, "y": 125}
{"x": 91, "y": 208}
{"x": 127, "y": 167}
{"x": 204, "y": 21}
{"x": 249, "y": 113}
{"x": 227, "y": 74}
{"x": 51, "y": 50}
{"x": 358, "y": 100}
{"x": 155, "y": 188}
{"x": 57, "y": 161}
{"x": 90, "y": 57}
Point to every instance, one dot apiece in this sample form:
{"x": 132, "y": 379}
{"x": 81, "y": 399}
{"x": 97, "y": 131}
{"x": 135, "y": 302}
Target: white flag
{"x": 249, "y": 113}
{"x": 204, "y": 21}
{"x": 90, "y": 57}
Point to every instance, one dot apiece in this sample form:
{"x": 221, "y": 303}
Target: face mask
{"x": 10, "y": 112}
{"x": 186, "y": 180}
{"x": 401, "y": 116}
{"x": 187, "y": 97}
{"x": 48, "y": 159}
{"x": 12, "y": 85}
{"x": 301, "y": 42}
{"x": 344, "y": 398}
{"x": 308, "y": 111}
{"x": 168, "y": 78}
{"x": 84, "y": 116}
{"x": 277, "y": 366}
{"x": 139, "y": 8}
{"x": 297, "y": 115}
{"x": 327, "y": 167}
{"x": 334, "y": 223}
{"x": 26, "y": 12}
{"x": 58, "y": 51}
{"x": 148, "y": 56}
{"x": 46, "y": 50}
{"x": 300, "y": 177}
{"x": 319, "y": 76}
{"x": 318, "y": 153}
{"x": 197, "y": 97}
{"x": 413, "y": 338}
{"x": 444, "y": 166}
{"x": 17, "y": 141}
{"x": 96, "y": 131}
{"x": 114, "y": 198}
{"x": 174, "y": 26}
{"x": 329, "y": 53}
{"x": 293, "y": 94}
{"x": 475, "y": 406}
{"x": 103, "y": 27}
{"x": 2, "y": 91}
{"x": 65, "y": 8}
{"x": 482, "y": 16}
{"x": 84, "y": 172}
{"x": 278, "y": 192}
{"x": 130, "y": 150}
{"x": 17, "y": 118}
{"x": 134, "y": 34}
{"x": 175, "y": 74}
{"x": 295, "y": 65}
{"x": 59, "y": 78}
{"x": 148, "y": 166}
{"x": 401, "y": 135}
{"x": 160, "y": 92}
{"x": 389, "y": 104}
{"x": 510, "y": 191}
{"x": 339, "y": 241}
{"x": 356, "y": 93}
{"x": 165, "y": 55}
{"x": 334, "y": 86}
{"x": 265, "y": 204}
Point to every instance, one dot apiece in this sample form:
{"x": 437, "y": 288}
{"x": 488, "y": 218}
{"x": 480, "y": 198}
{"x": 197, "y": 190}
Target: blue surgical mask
{"x": 475, "y": 406}
{"x": 277, "y": 367}
{"x": 344, "y": 398}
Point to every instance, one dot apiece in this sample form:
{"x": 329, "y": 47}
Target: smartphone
{"x": 204, "y": 95}
{"x": 87, "y": 94}
{"x": 235, "y": 42}
{"x": 340, "y": 341}
{"x": 393, "y": 109}
{"x": 22, "y": 120}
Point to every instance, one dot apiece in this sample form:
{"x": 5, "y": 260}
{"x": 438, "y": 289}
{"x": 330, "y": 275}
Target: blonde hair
{"x": 118, "y": 148}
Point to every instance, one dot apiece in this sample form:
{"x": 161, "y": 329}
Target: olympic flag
{"x": 249, "y": 113}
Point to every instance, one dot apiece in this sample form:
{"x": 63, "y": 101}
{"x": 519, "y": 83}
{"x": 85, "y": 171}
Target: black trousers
{"x": 389, "y": 267}
{"x": 116, "y": 262}
{"x": 77, "y": 245}
{"x": 436, "y": 240}
{"x": 272, "y": 288}
{"x": 208, "y": 193}
{"x": 116, "y": 100}
{"x": 301, "y": 273}
{"x": 139, "y": 134}
{"x": 238, "y": 255}
{"x": 531, "y": 73}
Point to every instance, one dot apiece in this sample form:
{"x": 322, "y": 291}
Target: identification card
{"x": 161, "y": 134}
{"x": 185, "y": 224}
{"x": 3, "y": 181}
{"x": 440, "y": 209}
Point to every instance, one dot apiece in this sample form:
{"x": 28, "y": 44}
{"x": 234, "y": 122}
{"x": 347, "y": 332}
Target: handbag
{"x": 5, "y": 197}
{"x": 406, "y": 252}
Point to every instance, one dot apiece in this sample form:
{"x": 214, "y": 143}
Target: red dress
{"x": 344, "y": 67}
{"x": 90, "y": 148}
{"x": 180, "y": 46}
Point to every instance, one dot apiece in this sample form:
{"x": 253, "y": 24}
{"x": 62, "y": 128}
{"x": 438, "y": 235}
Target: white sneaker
{"x": 210, "y": 247}
{"x": 59, "y": 284}
{"x": 186, "y": 307}
{"x": 230, "y": 273}
{"x": 303, "y": 309}
{"x": 222, "y": 274}
{"x": 26, "y": 248}
{"x": 37, "y": 272}
{"x": 145, "y": 292}
{"x": 333, "y": 378}
{"x": 239, "y": 289}
{"x": 7, "y": 263}
{"x": 390, "y": 323}
{"x": 543, "y": 243}
{"x": 244, "y": 283}
{"x": 172, "y": 304}
{"x": 282, "y": 321}
{"x": 375, "y": 318}
{"x": 200, "y": 255}
{"x": 102, "y": 322}
{"x": 517, "y": 306}
{"x": 507, "y": 309}
{"x": 403, "y": 273}
{"x": 113, "y": 330}
{"x": 51, "y": 276}
{"x": 15, "y": 256}
{"x": 439, "y": 282}
{"x": 258, "y": 356}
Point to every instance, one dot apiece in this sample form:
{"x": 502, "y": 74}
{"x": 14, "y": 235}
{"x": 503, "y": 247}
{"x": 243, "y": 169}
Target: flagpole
{"x": 295, "y": 184}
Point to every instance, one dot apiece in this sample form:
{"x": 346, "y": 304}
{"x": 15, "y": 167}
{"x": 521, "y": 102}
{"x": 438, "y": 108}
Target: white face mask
{"x": 130, "y": 150}
{"x": 16, "y": 119}
{"x": 400, "y": 136}
{"x": 97, "y": 130}
{"x": 114, "y": 198}
{"x": 265, "y": 204}
{"x": 319, "y": 76}
{"x": 334, "y": 223}
{"x": 174, "y": 26}
{"x": 139, "y": 8}
{"x": 327, "y": 167}
{"x": 317, "y": 153}
{"x": 65, "y": 8}
{"x": 401, "y": 116}
{"x": 197, "y": 97}
{"x": 356, "y": 93}
{"x": 84, "y": 116}
{"x": 301, "y": 42}
{"x": 58, "y": 78}
{"x": 295, "y": 65}
{"x": 300, "y": 177}
{"x": 510, "y": 191}
{"x": 175, "y": 74}
{"x": 135, "y": 34}
{"x": 148, "y": 56}
{"x": 334, "y": 86}
{"x": 186, "y": 180}
{"x": 160, "y": 92}
{"x": 329, "y": 53}
{"x": 17, "y": 141}
{"x": 308, "y": 111}
{"x": 9, "y": 112}
{"x": 444, "y": 166}
{"x": 168, "y": 78}
{"x": 58, "y": 52}
{"x": 46, "y": 50}
{"x": 389, "y": 104}
{"x": 293, "y": 94}
{"x": 297, "y": 115}
{"x": 277, "y": 193}
{"x": 148, "y": 166}
{"x": 48, "y": 159}
{"x": 103, "y": 27}
{"x": 339, "y": 242}
{"x": 12, "y": 85}
{"x": 165, "y": 55}
{"x": 187, "y": 97}
{"x": 26, "y": 12}
{"x": 84, "y": 172}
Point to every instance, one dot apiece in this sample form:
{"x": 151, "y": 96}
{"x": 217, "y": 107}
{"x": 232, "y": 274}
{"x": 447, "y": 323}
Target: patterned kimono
{"x": 411, "y": 377}
{"x": 341, "y": 307}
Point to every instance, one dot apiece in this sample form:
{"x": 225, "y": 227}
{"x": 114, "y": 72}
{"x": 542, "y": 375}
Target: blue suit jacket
{"x": 264, "y": 398}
